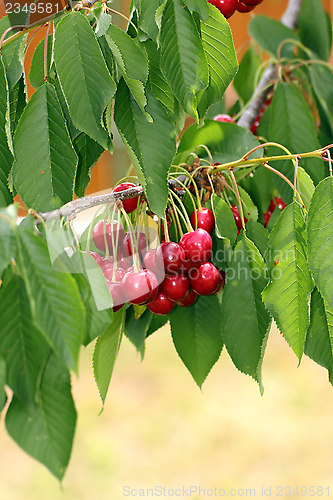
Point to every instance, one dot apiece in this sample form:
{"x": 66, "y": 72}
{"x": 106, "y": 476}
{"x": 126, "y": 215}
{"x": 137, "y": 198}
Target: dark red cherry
{"x": 129, "y": 204}
{"x": 241, "y": 7}
{"x": 280, "y": 203}
{"x": 223, "y": 118}
{"x": 110, "y": 232}
{"x": 176, "y": 287}
{"x": 226, "y": 7}
{"x": 205, "y": 219}
{"x": 161, "y": 305}
{"x": 189, "y": 300}
{"x": 117, "y": 295}
{"x": 237, "y": 218}
{"x": 197, "y": 246}
{"x": 205, "y": 280}
{"x": 98, "y": 259}
{"x": 156, "y": 265}
{"x": 172, "y": 255}
{"x": 221, "y": 282}
{"x": 267, "y": 217}
{"x": 250, "y": 3}
{"x": 126, "y": 244}
{"x": 138, "y": 287}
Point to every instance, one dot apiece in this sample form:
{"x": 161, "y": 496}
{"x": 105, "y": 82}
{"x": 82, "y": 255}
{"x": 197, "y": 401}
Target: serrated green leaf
{"x": 151, "y": 146}
{"x": 225, "y": 225}
{"x": 103, "y": 24}
{"x": 45, "y": 165}
{"x": 288, "y": 292}
{"x": 322, "y": 83}
{"x": 88, "y": 152}
{"x": 17, "y": 103}
{"x": 156, "y": 323}
{"x": 56, "y": 304}
{"x": 158, "y": 84}
{"x": 3, "y": 379}
{"x": 320, "y": 239}
{"x": 200, "y": 6}
{"x": 136, "y": 328}
{"x": 311, "y": 28}
{"x": 258, "y": 234}
{"x": 183, "y": 60}
{"x": 22, "y": 345}
{"x": 305, "y": 186}
{"x": 146, "y": 10}
{"x": 73, "y": 131}
{"x": 249, "y": 208}
{"x": 8, "y": 247}
{"x": 6, "y": 157}
{"x": 47, "y": 432}
{"x": 245, "y": 77}
{"x": 106, "y": 351}
{"x": 226, "y": 142}
{"x": 242, "y": 305}
{"x": 221, "y": 57}
{"x": 197, "y": 335}
{"x": 11, "y": 54}
{"x": 268, "y": 33}
{"x": 292, "y": 125}
{"x": 80, "y": 64}
{"x": 319, "y": 338}
{"x": 36, "y": 74}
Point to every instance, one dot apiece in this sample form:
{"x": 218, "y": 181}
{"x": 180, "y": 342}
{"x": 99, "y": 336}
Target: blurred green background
{"x": 159, "y": 429}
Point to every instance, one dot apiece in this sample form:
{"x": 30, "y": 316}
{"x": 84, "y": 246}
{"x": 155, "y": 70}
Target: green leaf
{"x": 245, "y": 78}
{"x": 249, "y": 208}
{"x": 156, "y": 323}
{"x": 146, "y": 16}
{"x": 106, "y": 351}
{"x": 6, "y": 158}
{"x": 268, "y": 33}
{"x": 305, "y": 186}
{"x": 183, "y": 60}
{"x": 17, "y": 103}
{"x": 221, "y": 57}
{"x": 151, "y": 146}
{"x": 322, "y": 83}
{"x": 292, "y": 125}
{"x": 226, "y": 142}
{"x": 73, "y": 131}
{"x": 103, "y": 24}
{"x": 158, "y": 84}
{"x": 197, "y": 335}
{"x": 36, "y": 74}
{"x": 319, "y": 339}
{"x": 56, "y": 304}
{"x": 45, "y": 165}
{"x": 320, "y": 239}
{"x": 258, "y": 234}
{"x": 136, "y": 328}
{"x": 88, "y": 152}
{"x": 242, "y": 305}
{"x": 11, "y": 54}
{"x": 200, "y": 6}
{"x": 3, "y": 379}
{"x": 83, "y": 74}
{"x": 22, "y": 345}
{"x": 225, "y": 225}
{"x": 47, "y": 432}
{"x": 312, "y": 28}
{"x": 8, "y": 247}
{"x": 288, "y": 292}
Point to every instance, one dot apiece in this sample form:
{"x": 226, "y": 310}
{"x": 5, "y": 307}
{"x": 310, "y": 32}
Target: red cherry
{"x": 161, "y": 305}
{"x": 223, "y": 118}
{"x": 108, "y": 273}
{"x": 272, "y": 206}
{"x": 176, "y": 287}
{"x": 237, "y": 218}
{"x": 221, "y": 282}
{"x": 129, "y": 204}
{"x": 98, "y": 259}
{"x": 226, "y": 7}
{"x": 117, "y": 295}
{"x": 197, "y": 246}
{"x": 280, "y": 203}
{"x": 254, "y": 127}
{"x": 205, "y": 280}
{"x": 139, "y": 287}
{"x": 189, "y": 300}
{"x": 241, "y": 7}
{"x": 126, "y": 244}
{"x": 205, "y": 219}
{"x": 155, "y": 265}
{"x": 110, "y": 232}
{"x": 250, "y": 3}
{"x": 172, "y": 255}
{"x": 267, "y": 216}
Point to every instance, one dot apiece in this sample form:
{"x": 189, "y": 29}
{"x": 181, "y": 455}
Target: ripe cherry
{"x": 224, "y": 118}
{"x": 237, "y": 218}
{"x": 205, "y": 279}
{"x": 117, "y": 295}
{"x": 156, "y": 265}
{"x": 197, "y": 246}
{"x": 189, "y": 300}
{"x": 172, "y": 255}
{"x": 108, "y": 273}
{"x": 176, "y": 287}
{"x": 129, "y": 204}
{"x": 241, "y": 7}
{"x": 205, "y": 219}
{"x": 139, "y": 287}
{"x": 280, "y": 203}
{"x": 221, "y": 282}
{"x": 126, "y": 244}
{"x": 250, "y": 3}
{"x": 110, "y": 232}
{"x": 161, "y": 305}
{"x": 226, "y": 7}
{"x": 97, "y": 258}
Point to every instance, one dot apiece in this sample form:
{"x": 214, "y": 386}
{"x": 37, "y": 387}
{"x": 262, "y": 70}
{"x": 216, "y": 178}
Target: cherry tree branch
{"x": 289, "y": 19}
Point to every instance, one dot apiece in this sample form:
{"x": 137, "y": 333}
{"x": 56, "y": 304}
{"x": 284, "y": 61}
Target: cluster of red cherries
{"x": 229, "y": 7}
{"x": 173, "y": 273}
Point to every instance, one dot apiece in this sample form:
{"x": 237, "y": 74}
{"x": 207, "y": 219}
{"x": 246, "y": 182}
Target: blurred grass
{"x": 159, "y": 429}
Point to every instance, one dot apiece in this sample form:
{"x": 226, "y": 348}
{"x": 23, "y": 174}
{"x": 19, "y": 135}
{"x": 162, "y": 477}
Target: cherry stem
{"x": 166, "y": 229}
{"x": 186, "y": 188}
{"x": 122, "y": 15}
{"x": 90, "y": 228}
{"x": 330, "y": 162}
{"x": 175, "y": 218}
{"x": 114, "y": 243}
{"x": 207, "y": 151}
{"x": 241, "y": 213}
{"x": 184, "y": 215}
{"x": 136, "y": 263}
{"x": 285, "y": 179}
